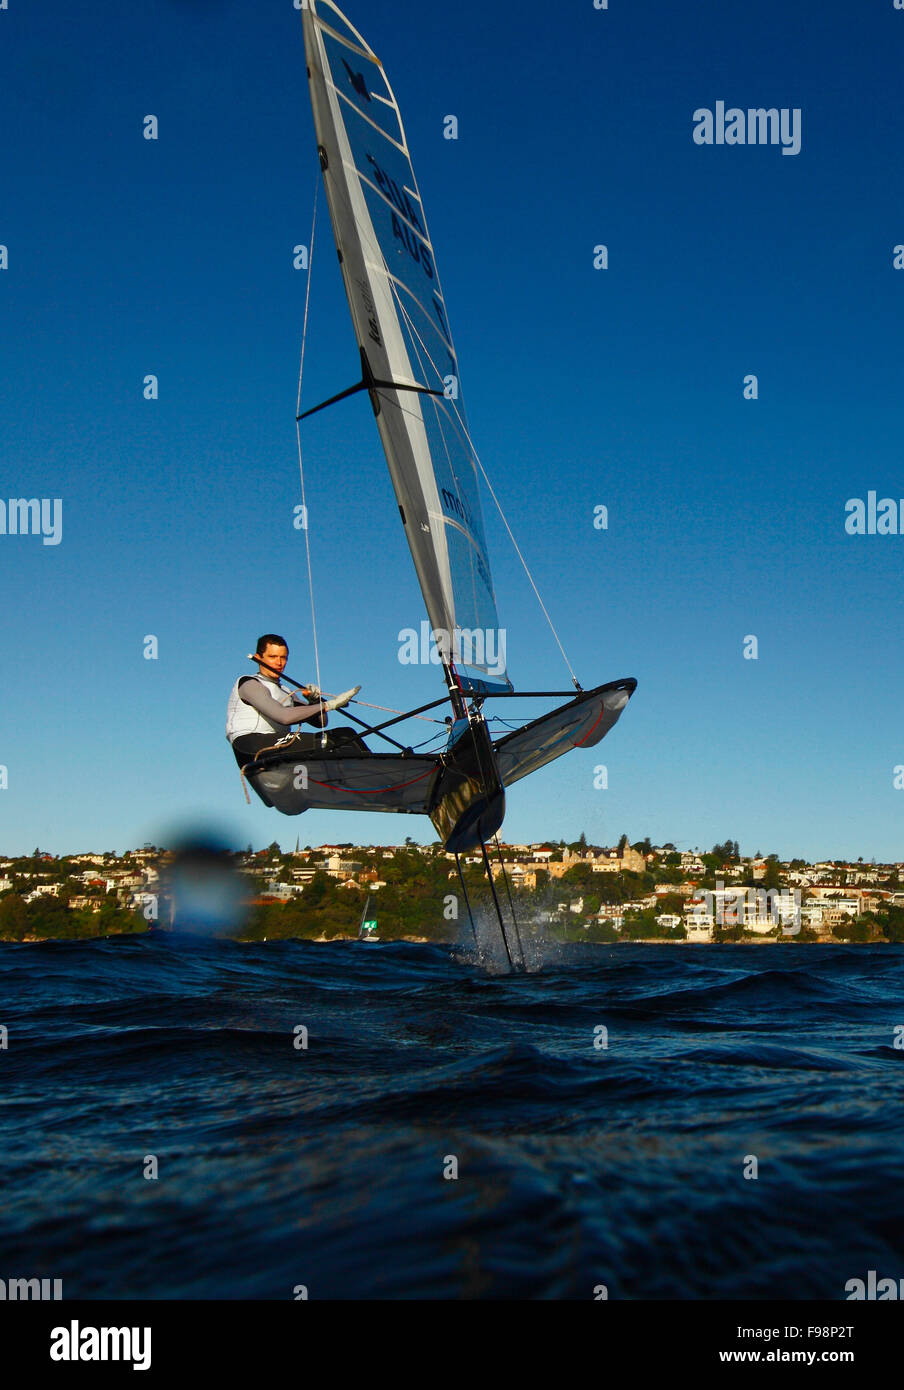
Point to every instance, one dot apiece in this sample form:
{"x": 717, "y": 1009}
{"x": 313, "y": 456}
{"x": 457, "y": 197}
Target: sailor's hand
{"x": 338, "y": 701}
{"x": 312, "y": 693}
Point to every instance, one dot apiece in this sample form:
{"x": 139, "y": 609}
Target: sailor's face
{"x": 275, "y": 657}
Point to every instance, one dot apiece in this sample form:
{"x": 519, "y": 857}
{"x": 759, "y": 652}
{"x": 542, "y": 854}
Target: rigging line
{"x": 453, "y": 475}
{"x": 464, "y": 890}
{"x": 438, "y": 415}
{"x": 442, "y": 333}
{"x": 488, "y": 869}
{"x": 419, "y": 417}
{"x": 416, "y": 748}
{"x": 407, "y": 317}
{"x": 304, "y": 507}
{"x": 472, "y": 567}
{"x": 380, "y": 260}
{"x": 508, "y": 528}
{"x": 466, "y": 438}
{"x": 486, "y": 862}
{"x": 508, "y": 889}
{"x": 387, "y": 709}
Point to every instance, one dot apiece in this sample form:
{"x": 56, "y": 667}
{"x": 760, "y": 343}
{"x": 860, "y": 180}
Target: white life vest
{"x": 242, "y": 718}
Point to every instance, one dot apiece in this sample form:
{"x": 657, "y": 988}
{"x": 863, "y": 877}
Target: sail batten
{"x": 399, "y": 314}
{"x": 344, "y": 97}
{"x": 360, "y": 47}
{"x": 394, "y": 209}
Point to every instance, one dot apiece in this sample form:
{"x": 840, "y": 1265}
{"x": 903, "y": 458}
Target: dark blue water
{"x": 578, "y": 1166}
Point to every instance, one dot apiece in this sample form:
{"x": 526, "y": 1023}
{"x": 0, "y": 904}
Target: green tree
{"x": 107, "y": 921}
{"x": 14, "y": 917}
{"x": 852, "y": 931}
{"x": 642, "y": 925}
{"x": 317, "y": 890}
{"x": 48, "y": 917}
{"x": 893, "y": 926}
{"x": 602, "y": 931}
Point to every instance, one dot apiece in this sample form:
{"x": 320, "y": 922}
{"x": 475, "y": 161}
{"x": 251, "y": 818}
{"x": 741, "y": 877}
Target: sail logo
{"x": 400, "y": 199}
{"x": 399, "y": 196}
{"x": 463, "y": 646}
{"x": 373, "y": 326}
{"x": 755, "y": 126}
{"x": 456, "y": 505}
{"x": 32, "y": 516}
{"x": 874, "y": 518}
{"x": 459, "y": 508}
{"x": 357, "y": 81}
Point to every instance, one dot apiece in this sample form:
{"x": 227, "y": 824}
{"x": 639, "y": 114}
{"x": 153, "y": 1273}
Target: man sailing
{"x": 261, "y": 711}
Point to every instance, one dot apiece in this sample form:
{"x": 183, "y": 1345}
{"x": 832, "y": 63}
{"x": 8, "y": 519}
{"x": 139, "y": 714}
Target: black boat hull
{"x": 462, "y": 790}
{"x": 469, "y": 804}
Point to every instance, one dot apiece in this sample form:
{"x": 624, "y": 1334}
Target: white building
{"x": 283, "y": 891}
{"x": 43, "y": 890}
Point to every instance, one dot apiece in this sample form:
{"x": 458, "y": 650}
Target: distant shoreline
{"x": 443, "y": 941}
{"x": 579, "y": 892}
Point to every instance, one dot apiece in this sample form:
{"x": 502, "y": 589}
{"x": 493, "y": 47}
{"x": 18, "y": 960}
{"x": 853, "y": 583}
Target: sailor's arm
{"x": 336, "y": 702}
{"x": 254, "y": 694}
{"x": 319, "y": 717}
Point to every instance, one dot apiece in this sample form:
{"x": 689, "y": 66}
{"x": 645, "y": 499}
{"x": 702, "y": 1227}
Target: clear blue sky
{"x": 621, "y": 387}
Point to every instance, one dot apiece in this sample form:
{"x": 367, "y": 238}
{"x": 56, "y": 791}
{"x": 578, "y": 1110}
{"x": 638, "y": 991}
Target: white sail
{"x": 399, "y": 317}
